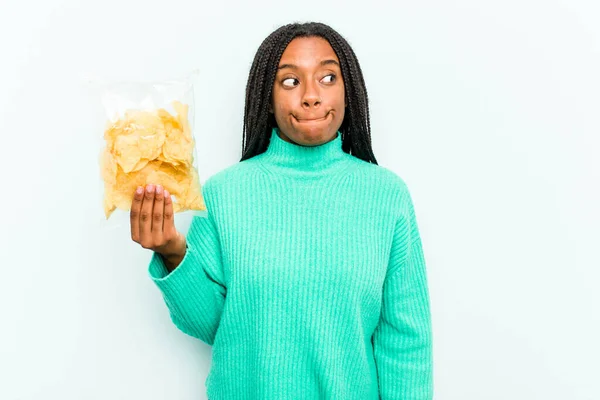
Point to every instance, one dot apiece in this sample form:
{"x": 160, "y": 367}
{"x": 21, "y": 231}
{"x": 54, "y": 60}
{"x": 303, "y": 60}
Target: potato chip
{"x": 178, "y": 150}
{"x": 109, "y": 168}
{"x": 146, "y": 147}
{"x": 127, "y": 152}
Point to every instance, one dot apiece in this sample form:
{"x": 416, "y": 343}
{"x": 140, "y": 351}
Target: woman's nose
{"x": 311, "y": 96}
{"x": 312, "y": 101}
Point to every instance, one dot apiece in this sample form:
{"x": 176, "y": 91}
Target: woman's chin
{"x": 313, "y": 138}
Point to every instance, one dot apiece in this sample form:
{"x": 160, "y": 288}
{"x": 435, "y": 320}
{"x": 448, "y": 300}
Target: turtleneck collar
{"x": 308, "y": 161}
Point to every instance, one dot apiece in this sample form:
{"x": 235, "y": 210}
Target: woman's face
{"x": 308, "y": 92}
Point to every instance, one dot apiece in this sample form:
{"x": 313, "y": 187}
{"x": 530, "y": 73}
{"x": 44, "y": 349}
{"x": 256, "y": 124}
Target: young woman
{"x": 307, "y": 274}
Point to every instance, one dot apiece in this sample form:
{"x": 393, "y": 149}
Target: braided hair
{"x": 259, "y": 122}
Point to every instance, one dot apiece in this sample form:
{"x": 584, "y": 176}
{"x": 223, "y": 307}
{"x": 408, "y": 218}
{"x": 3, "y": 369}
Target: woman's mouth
{"x": 312, "y": 119}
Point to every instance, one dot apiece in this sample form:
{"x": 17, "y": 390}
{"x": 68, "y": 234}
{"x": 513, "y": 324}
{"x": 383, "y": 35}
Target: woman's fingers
{"x": 152, "y": 218}
{"x": 157, "y": 216}
{"x": 134, "y": 214}
{"x": 145, "y": 220}
{"x": 169, "y": 231}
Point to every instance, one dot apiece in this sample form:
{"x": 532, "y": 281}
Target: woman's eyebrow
{"x": 323, "y": 63}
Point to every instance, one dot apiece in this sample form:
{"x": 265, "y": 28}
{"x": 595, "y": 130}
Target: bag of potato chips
{"x": 148, "y": 138}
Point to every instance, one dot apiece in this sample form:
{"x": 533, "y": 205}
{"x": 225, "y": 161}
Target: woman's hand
{"x": 152, "y": 223}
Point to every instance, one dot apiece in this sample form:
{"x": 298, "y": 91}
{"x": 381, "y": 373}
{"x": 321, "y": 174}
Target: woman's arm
{"x": 402, "y": 342}
{"x": 195, "y": 290}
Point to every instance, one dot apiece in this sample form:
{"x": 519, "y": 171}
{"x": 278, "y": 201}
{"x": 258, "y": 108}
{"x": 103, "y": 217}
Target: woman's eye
{"x": 332, "y": 77}
{"x": 288, "y": 79}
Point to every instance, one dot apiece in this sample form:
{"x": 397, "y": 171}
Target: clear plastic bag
{"x": 149, "y": 139}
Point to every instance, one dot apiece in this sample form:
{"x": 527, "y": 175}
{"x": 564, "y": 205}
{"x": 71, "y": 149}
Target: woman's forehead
{"x": 307, "y": 51}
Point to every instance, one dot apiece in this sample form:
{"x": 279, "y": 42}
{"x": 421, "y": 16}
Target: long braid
{"x": 258, "y": 121}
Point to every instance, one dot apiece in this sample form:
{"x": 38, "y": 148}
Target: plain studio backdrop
{"x": 488, "y": 110}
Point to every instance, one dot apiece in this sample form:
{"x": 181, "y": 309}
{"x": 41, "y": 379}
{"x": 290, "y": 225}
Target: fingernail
{"x": 159, "y": 189}
{"x": 150, "y": 188}
{"x": 166, "y": 193}
{"x": 139, "y": 190}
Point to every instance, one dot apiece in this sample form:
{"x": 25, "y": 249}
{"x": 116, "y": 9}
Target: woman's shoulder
{"x": 381, "y": 176}
{"x": 232, "y": 176}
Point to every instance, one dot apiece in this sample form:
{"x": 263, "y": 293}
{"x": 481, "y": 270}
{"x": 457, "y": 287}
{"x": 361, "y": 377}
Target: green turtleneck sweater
{"x": 307, "y": 276}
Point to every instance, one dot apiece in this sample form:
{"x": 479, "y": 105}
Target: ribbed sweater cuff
{"x": 157, "y": 270}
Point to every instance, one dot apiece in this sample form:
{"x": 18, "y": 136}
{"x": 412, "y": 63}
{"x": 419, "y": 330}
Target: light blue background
{"x": 488, "y": 110}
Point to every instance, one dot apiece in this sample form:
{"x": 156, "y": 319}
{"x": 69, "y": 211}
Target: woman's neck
{"x": 283, "y": 157}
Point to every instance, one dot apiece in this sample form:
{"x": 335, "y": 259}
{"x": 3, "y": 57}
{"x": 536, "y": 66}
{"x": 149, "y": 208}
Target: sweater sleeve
{"x": 195, "y": 291}
{"x": 402, "y": 341}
